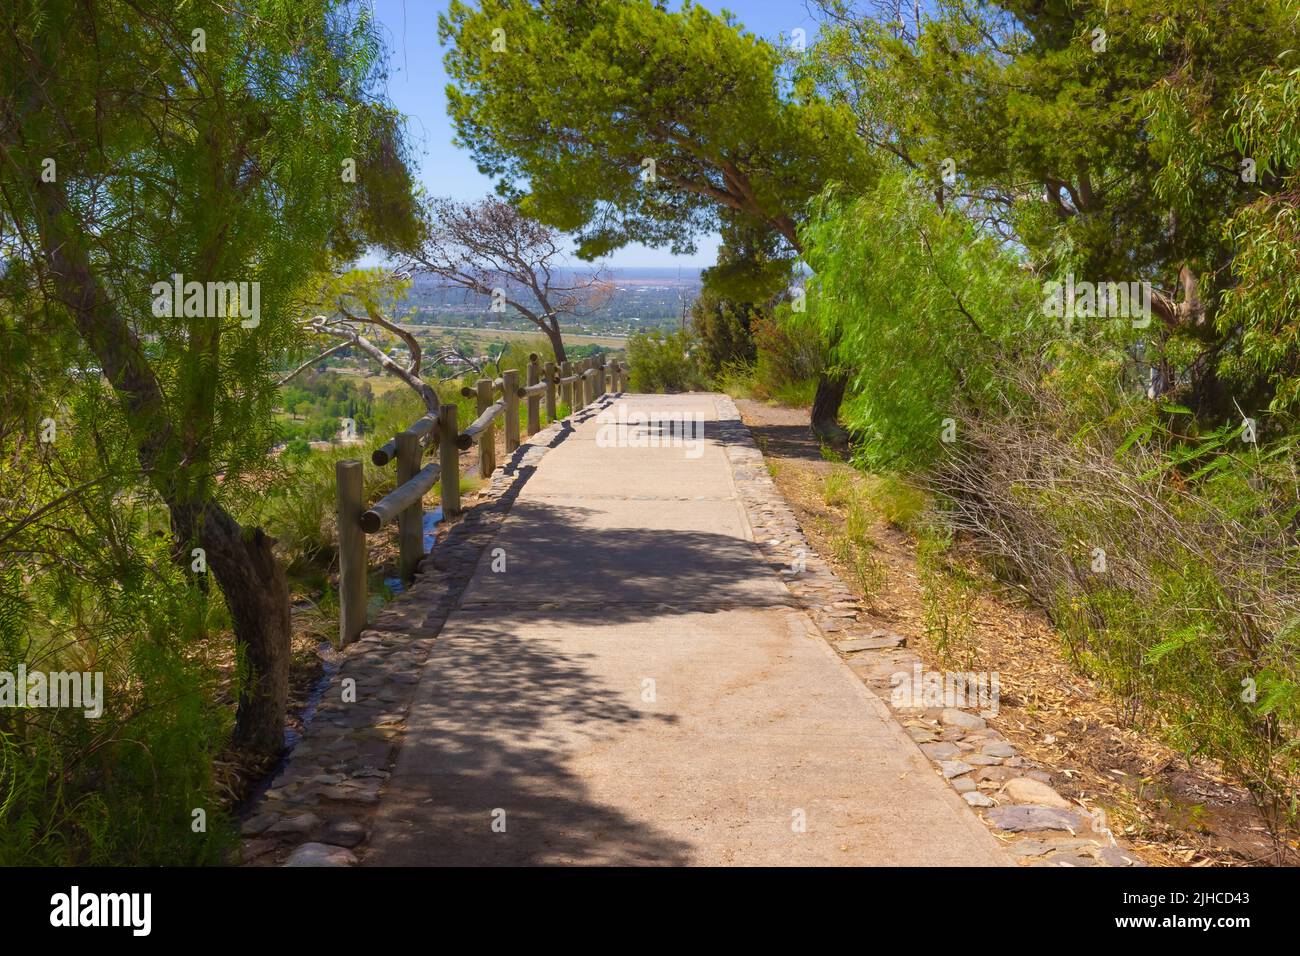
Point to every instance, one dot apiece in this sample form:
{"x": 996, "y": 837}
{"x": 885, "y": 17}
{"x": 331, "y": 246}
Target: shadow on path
{"x": 482, "y": 777}
{"x": 556, "y": 556}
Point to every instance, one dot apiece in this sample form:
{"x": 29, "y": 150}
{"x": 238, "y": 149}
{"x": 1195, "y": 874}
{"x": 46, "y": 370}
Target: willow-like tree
{"x": 228, "y": 144}
{"x": 625, "y": 122}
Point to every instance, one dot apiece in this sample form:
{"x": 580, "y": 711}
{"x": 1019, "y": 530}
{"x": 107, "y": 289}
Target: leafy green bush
{"x": 921, "y": 310}
{"x": 119, "y": 788}
{"x": 1162, "y": 542}
{"x": 786, "y": 367}
{"x": 665, "y": 363}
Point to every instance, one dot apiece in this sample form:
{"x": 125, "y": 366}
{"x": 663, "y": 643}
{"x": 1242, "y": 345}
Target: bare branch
{"x": 491, "y": 249}
{"x": 310, "y": 362}
{"x": 351, "y": 336}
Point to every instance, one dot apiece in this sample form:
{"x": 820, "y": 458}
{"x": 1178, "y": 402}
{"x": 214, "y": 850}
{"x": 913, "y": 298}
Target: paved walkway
{"x": 633, "y": 684}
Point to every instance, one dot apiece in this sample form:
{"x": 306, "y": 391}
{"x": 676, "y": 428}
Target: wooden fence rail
{"x": 576, "y": 385}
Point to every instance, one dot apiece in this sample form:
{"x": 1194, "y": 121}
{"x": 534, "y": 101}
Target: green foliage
{"x": 1263, "y": 306}
{"x": 101, "y": 594}
{"x": 224, "y": 161}
{"x": 787, "y": 365}
{"x": 921, "y": 309}
{"x": 760, "y": 381}
{"x": 1109, "y": 140}
{"x": 319, "y": 401}
{"x": 1122, "y": 163}
{"x": 948, "y": 596}
{"x": 723, "y": 329}
{"x": 752, "y": 264}
{"x": 665, "y": 363}
{"x": 298, "y": 508}
{"x": 1165, "y": 552}
{"x": 584, "y": 92}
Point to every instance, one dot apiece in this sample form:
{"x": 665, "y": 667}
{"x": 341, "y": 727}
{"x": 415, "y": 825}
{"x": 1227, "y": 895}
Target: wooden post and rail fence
{"x": 577, "y": 384}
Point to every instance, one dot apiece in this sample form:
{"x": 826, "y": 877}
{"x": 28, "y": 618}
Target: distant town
{"x": 632, "y": 300}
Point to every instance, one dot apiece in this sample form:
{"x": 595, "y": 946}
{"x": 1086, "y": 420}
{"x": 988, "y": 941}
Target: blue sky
{"x": 416, "y": 86}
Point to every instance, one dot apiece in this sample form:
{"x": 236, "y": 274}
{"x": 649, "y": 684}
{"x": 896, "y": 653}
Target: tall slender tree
{"x": 233, "y": 151}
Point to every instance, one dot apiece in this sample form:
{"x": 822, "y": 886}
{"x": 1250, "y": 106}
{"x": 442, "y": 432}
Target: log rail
{"x": 577, "y": 385}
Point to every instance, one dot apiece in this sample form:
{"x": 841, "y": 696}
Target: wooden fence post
{"x": 534, "y": 401}
{"x": 566, "y": 390}
{"x": 410, "y": 523}
{"x": 550, "y": 392}
{"x": 602, "y": 385}
{"x": 352, "y": 551}
{"x": 487, "y": 449}
{"x": 449, "y": 460}
{"x": 510, "y": 378}
{"x": 588, "y": 386}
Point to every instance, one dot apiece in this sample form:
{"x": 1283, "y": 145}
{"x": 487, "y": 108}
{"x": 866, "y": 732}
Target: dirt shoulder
{"x": 1172, "y": 811}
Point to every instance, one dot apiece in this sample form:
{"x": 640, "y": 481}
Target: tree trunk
{"x": 557, "y": 342}
{"x": 826, "y": 407}
{"x": 250, "y": 578}
{"x": 257, "y": 594}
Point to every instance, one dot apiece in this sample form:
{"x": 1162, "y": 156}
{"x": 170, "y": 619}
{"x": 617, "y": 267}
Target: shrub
{"x": 665, "y": 363}
{"x": 119, "y": 788}
{"x": 1167, "y": 559}
{"x": 922, "y": 311}
{"x": 723, "y": 328}
{"x": 1163, "y": 546}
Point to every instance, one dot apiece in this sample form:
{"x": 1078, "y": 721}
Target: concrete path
{"x": 637, "y": 686}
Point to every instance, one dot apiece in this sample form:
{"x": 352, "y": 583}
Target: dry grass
{"x": 1170, "y": 812}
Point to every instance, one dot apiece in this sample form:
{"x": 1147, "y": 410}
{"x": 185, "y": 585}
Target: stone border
{"x": 1012, "y": 795}
{"x": 319, "y": 807}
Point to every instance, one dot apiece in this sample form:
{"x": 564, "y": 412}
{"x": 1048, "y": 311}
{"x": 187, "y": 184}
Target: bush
{"x": 786, "y": 368}
{"x": 723, "y": 328}
{"x": 789, "y": 360}
{"x": 119, "y": 788}
{"x": 665, "y": 363}
{"x": 1163, "y": 546}
{"x": 922, "y": 311}
{"x": 1167, "y": 561}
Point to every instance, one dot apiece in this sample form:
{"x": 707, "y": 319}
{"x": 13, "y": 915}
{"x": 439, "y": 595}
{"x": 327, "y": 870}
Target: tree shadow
{"x": 482, "y": 778}
{"x": 553, "y": 559}
{"x": 787, "y": 441}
